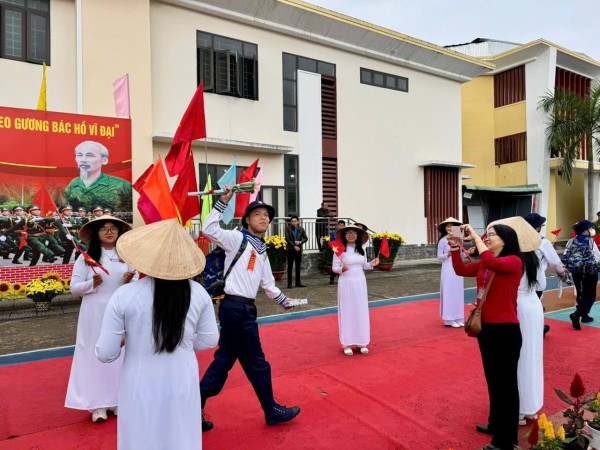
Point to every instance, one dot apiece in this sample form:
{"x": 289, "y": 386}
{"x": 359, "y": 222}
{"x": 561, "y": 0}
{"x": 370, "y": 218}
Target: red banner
{"x": 40, "y": 145}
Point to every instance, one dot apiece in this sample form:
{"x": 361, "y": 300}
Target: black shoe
{"x": 290, "y": 286}
{"x": 483, "y": 428}
{"x": 207, "y": 425}
{"x": 16, "y": 262}
{"x": 49, "y": 259}
{"x": 575, "y": 321}
{"x": 546, "y": 329}
{"x": 587, "y": 319}
{"x": 303, "y": 285}
{"x": 280, "y": 414}
{"x": 331, "y": 282}
{"x": 490, "y": 447}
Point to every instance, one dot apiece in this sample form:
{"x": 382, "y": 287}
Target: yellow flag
{"x": 207, "y": 200}
{"x": 42, "y": 100}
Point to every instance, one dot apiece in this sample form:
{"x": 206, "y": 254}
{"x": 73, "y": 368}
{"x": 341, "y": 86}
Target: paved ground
{"x": 24, "y": 331}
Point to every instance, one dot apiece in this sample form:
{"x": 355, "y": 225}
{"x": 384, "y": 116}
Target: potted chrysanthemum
{"x": 394, "y": 241}
{"x": 43, "y": 290}
{"x": 277, "y": 253}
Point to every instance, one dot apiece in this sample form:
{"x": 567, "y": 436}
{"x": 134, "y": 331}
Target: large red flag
{"x": 188, "y": 207}
{"x": 242, "y": 200}
{"x": 43, "y": 199}
{"x": 191, "y": 127}
{"x": 384, "y": 249}
{"x": 158, "y": 191}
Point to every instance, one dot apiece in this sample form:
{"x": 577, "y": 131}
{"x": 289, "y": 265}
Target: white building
{"x": 337, "y": 109}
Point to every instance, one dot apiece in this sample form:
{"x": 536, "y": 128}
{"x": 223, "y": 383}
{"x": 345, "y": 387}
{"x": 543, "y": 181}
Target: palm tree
{"x": 573, "y": 122}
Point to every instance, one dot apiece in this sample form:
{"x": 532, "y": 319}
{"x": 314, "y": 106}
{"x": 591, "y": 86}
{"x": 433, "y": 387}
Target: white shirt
{"x": 243, "y": 280}
{"x": 548, "y": 257}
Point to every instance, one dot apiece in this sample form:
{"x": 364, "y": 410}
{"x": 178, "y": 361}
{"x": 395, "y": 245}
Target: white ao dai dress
{"x": 452, "y": 287}
{"x": 93, "y": 385}
{"x": 159, "y": 394}
{"x": 353, "y": 300}
{"x": 530, "y": 372}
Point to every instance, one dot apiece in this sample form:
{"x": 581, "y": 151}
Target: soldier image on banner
{"x": 14, "y": 236}
{"x": 36, "y": 237}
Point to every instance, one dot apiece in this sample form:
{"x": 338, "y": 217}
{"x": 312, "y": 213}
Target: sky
{"x": 572, "y": 24}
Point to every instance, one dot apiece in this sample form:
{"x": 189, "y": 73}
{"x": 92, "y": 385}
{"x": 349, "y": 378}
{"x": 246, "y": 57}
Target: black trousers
{"x": 500, "y": 347}
{"x": 585, "y": 286}
{"x": 320, "y": 233}
{"x": 239, "y": 340}
{"x": 294, "y": 257}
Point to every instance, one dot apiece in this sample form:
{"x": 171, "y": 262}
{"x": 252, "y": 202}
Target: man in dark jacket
{"x": 295, "y": 237}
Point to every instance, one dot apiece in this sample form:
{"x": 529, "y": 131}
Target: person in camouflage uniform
{"x": 94, "y": 187}
{"x": 14, "y": 236}
{"x": 67, "y": 236}
{"x": 98, "y": 211}
{"x": 5, "y": 225}
{"x": 36, "y": 237}
{"x": 82, "y": 215}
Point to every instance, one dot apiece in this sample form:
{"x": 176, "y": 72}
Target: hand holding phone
{"x": 457, "y": 232}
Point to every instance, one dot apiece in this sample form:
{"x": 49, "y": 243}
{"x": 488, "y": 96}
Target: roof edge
{"x": 385, "y": 31}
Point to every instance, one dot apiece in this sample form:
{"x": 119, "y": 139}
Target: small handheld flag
{"x": 338, "y": 248}
{"x": 555, "y": 233}
{"x": 385, "y": 247}
{"x": 88, "y": 259}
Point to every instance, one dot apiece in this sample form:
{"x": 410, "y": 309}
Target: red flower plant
{"x": 577, "y": 387}
{"x": 574, "y": 414}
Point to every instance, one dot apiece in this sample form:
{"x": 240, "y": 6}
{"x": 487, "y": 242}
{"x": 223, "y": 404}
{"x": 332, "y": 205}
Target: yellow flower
{"x": 542, "y": 421}
{"x": 5, "y": 287}
{"x": 561, "y": 433}
{"x": 549, "y": 431}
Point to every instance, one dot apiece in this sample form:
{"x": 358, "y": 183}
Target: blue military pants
{"x": 239, "y": 340}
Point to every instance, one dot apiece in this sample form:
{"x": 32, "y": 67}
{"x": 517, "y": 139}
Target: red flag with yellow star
{"x": 337, "y": 247}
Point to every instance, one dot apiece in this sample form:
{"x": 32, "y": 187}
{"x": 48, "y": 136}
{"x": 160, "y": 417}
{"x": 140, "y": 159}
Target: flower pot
{"x": 575, "y": 445}
{"x": 593, "y": 435}
{"x": 385, "y": 266}
{"x": 278, "y": 274}
{"x": 42, "y": 306}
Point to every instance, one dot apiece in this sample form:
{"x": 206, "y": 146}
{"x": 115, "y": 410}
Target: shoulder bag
{"x": 473, "y": 322}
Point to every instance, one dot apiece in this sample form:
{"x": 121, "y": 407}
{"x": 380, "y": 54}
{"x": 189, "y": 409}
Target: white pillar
{"x": 310, "y": 144}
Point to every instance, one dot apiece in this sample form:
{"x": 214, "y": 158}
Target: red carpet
{"x": 421, "y": 387}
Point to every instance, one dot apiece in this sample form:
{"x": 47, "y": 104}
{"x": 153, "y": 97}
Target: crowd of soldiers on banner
{"x": 28, "y": 235}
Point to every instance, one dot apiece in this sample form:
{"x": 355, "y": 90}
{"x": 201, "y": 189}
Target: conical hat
{"x": 85, "y": 232}
{"x": 452, "y": 220}
{"x": 529, "y": 239}
{"x": 362, "y": 234}
{"x": 162, "y": 250}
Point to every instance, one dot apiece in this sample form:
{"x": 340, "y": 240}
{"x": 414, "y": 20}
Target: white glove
{"x": 2, "y": 238}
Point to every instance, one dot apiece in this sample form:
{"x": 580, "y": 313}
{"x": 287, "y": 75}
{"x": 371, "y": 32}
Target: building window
{"x": 509, "y": 87}
{"x": 510, "y": 149}
{"x": 383, "y": 80}
{"x": 292, "y": 199}
{"x": 227, "y": 66}
{"x": 291, "y": 64}
{"x": 25, "y": 30}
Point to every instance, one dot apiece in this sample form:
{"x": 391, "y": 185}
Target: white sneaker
{"x": 364, "y": 350}
{"x": 455, "y": 325}
{"x": 348, "y": 351}
{"x": 461, "y": 323}
{"x": 99, "y": 415}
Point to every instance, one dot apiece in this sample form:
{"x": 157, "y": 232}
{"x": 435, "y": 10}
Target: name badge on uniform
{"x": 252, "y": 260}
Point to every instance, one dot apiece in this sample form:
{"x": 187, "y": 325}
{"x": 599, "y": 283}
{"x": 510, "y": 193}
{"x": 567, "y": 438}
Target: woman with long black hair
{"x": 94, "y": 386}
{"x": 499, "y": 275}
{"x": 164, "y": 318}
{"x": 353, "y": 299}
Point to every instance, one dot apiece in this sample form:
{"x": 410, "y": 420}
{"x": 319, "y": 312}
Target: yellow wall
{"x": 478, "y": 130}
{"x": 570, "y": 203}
{"x": 551, "y": 221}
{"x": 510, "y": 119}
{"x": 513, "y": 174}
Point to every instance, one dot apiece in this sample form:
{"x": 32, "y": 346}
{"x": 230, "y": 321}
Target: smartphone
{"x": 458, "y": 232}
